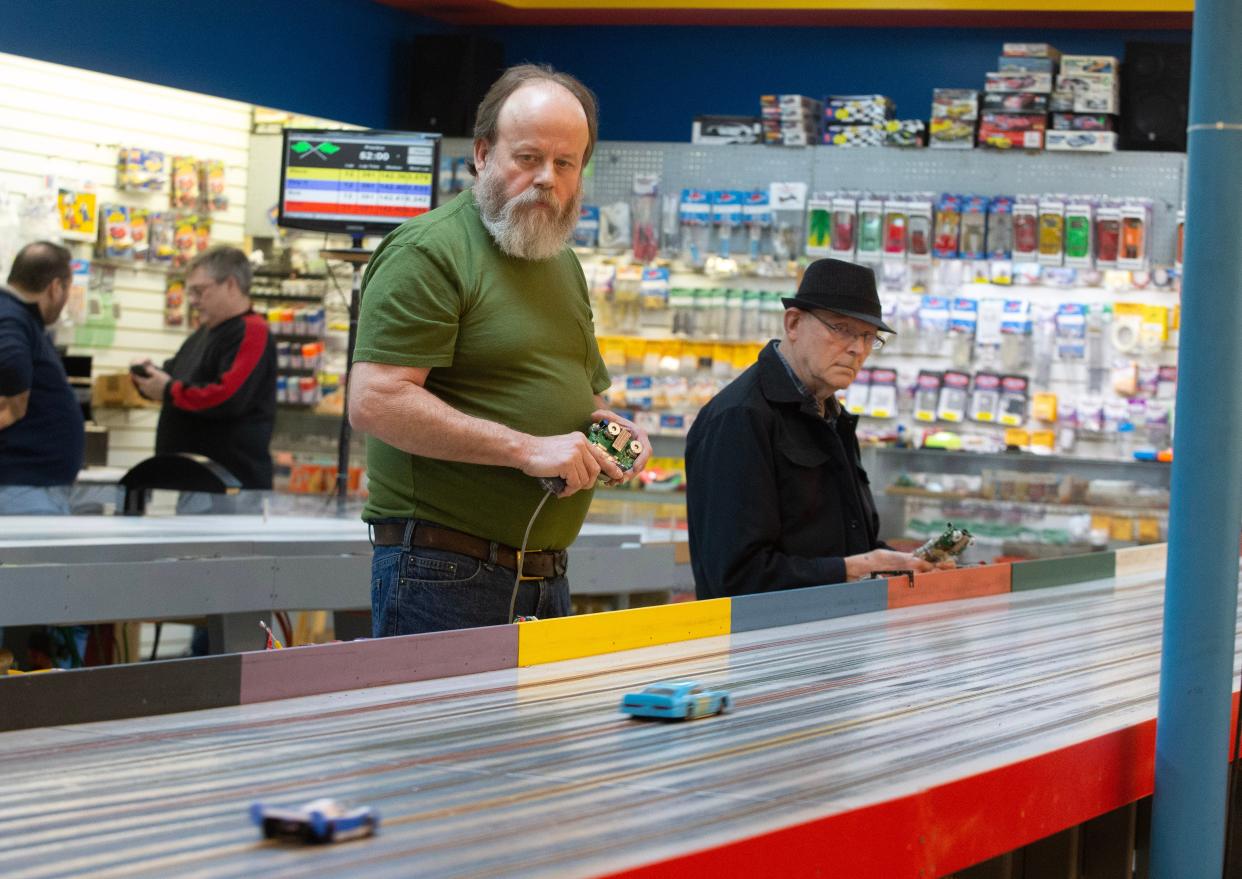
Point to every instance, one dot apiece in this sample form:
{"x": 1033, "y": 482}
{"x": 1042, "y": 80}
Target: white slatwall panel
{"x": 69, "y": 122}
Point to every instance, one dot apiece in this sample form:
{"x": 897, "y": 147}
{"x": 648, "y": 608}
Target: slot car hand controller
{"x": 614, "y": 439}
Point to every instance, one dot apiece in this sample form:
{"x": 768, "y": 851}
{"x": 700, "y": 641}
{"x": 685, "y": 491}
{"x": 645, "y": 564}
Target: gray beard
{"x": 517, "y": 226}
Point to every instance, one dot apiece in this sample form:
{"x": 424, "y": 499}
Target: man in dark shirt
{"x": 219, "y": 390}
{"x": 776, "y": 495}
{"x": 42, "y": 438}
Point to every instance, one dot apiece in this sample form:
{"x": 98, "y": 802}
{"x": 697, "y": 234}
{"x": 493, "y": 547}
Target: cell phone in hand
{"x": 140, "y": 369}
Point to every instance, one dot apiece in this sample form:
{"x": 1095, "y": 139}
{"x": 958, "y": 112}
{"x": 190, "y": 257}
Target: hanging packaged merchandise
{"x": 948, "y": 225}
{"x": 907, "y": 324}
{"x": 1025, "y": 230}
{"x": 1044, "y": 406}
{"x": 174, "y": 301}
{"x": 882, "y": 397}
{"x": 185, "y": 191}
{"x": 963, "y": 324}
{"x": 919, "y": 225}
{"x": 1051, "y": 232}
{"x": 726, "y": 216}
{"x": 1107, "y": 235}
{"x": 985, "y": 398}
{"x": 954, "y": 392}
{"x": 1016, "y": 335}
{"x": 1013, "y": 400}
{"x": 646, "y": 217}
{"x": 161, "y": 229}
{"x": 1135, "y": 221}
{"x": 1000, "y": 228}
{"x": 1078, "y": 234}
{"x": 586, "y": 231}
{"x": 1166, "y": 383}
{"x": 895, "y": 230}
{"x": 1071, "y": 332}
{"x": 139, "y": 232}
{"x": 857, "y": 393}
{"x": 654, "y": 289}
{"x": 614, "y": 226}
{"x": 116, "y": 238}
{"x": 757, "y": 215}
{"x": 694, "y": 217}
{"x": 927, "y": 395}
{"x": 819, "y": 226}
{"x": 1099, "y": 322}
{"x": 202, "y": 233}
{"x": 974, "y": 227}
{"x": 933, "y": 324}
{"x": 870, "y": 230}
{"x": 212, "y": 185}
{"x": 844, "y": 218}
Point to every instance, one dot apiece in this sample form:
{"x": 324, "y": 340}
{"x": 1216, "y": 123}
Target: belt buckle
{"x": 521, "y": 565}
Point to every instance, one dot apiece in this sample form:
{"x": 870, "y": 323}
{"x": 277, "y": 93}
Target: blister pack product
{"x": 185, "y": 179}
{"x": 870, "y": 229}
{"x": 212, "y": 185}
{"x": 726, "y": 216}
{"x": 882, "y": 398}
{"x": 927, "y": 395}
{"x": 1026, "y": 230}
{"x": 948, "y": 225}
{"x": 1051, "y": 231}
{"x": 856, "y": 395}
{"x": 1078, "y": 250}
{"x": 184, "y": 237}
{"x": 933, "y": 324}
{"x": 1016, "y": 336}
{"x": 118, "y": 242}
{"x": 162, "y": 231}
{"x": 1107, "y": 235}
{"x": 757, "y": 215}
{"x": 819, "y": 226}
{"x": 140, "y": 232}
{"x": 1013, "y": 400}
{"x": 896, "y": 229}
{"x": 985, "y": 398}
{"x": 1071, "y": 331}
{"x": 954, "y": 391}
{"x": 919, "y": 231}
{"x": 973, "y": 243}
{"x": 963, "y": 324}
{"x": 586, "y": 232}
{"x": 1000, "y": 228}
{"x": 1135, "y": 221}
{"x": 694, "y": 216}
{"x": 646, "y": 217}
{"x": 844, "y": 223}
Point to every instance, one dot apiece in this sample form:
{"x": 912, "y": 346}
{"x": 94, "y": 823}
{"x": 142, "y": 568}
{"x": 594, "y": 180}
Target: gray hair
{"x": 222, "y": 262}
{"x": 487, "y": 117}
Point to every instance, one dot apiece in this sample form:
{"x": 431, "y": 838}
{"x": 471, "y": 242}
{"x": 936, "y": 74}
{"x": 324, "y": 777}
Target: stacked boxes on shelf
{"x": 856, "y": 120}
{"x": 1085, "y": 104}
{"x": 791, "y": 120}
{"x": 1016, "y": 97}
{"x": 953, "y": 116}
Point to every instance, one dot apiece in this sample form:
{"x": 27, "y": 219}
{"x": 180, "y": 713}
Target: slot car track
{"x": 533, "y": 772}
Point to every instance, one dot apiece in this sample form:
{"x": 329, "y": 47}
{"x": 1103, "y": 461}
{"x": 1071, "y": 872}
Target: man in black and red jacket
{"x": 219, "y": 390}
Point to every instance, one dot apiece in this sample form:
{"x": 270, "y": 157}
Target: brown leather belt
{"x": 538, "y": 565}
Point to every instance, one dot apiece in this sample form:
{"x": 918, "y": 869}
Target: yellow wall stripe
{"x": 592, "y": 634}
{"x": 1168, "y": 6}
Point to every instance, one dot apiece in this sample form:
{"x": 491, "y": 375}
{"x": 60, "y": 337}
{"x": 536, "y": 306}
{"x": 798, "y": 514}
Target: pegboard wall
{"x": 1157, "y": 176}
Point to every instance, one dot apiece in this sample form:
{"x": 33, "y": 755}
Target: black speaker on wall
{"x": 440, "y": 80}
{"x": 1155, "y": 96}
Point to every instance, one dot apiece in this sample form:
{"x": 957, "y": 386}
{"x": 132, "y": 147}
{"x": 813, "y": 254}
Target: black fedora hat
{"x": 843, "y": 287}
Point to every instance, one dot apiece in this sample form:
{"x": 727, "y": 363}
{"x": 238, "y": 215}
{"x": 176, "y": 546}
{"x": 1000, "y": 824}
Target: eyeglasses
{"x": 842, "y": 333}
{"x": 198, "y": 290}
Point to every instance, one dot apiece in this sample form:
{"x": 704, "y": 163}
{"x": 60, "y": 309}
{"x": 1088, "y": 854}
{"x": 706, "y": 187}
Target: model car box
{"x": 1030, "y": 50}
{"x": 1000, "y": 138}
{"x": 1093, "y": 92}
{"x": 854, "y": 135}
{"x": 1071, "y": 65}
{"x": 1013, "y": 121}
{"x": 857, "y": 109}
{"x": 1081, "y": 141}
{"x": 1015, "y": 102}
{"x": 1082, "y": 122}
{"x": 1002, "y": 81}
{"x": 953, "y": 115}
{"x": 1027, "y": 63}
{"x": 905, "y": 133}
{"x": 726, "y": 129}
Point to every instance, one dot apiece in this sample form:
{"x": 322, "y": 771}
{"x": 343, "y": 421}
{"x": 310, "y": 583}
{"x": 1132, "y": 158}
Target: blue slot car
{"x": 322, "y": 820}
{"x": 676, "y": 700}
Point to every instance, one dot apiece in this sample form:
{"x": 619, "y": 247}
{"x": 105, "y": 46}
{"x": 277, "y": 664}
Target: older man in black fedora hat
{"x": 777, "y": 497}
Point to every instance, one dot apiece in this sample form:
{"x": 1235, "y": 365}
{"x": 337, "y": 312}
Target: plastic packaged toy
{"x": 948, "y": 545}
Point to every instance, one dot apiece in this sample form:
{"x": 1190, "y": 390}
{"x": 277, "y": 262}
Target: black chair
{"x": 180, "y": 471}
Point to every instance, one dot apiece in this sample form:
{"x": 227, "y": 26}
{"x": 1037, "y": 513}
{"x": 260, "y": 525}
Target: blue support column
{"x": 1192, "y": 738}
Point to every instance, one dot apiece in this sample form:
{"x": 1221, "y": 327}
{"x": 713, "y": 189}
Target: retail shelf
{"x": 135, "y": 265}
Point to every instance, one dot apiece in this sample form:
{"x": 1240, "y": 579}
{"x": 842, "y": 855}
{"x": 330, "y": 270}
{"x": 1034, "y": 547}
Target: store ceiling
{"x": 1128, "y": 14}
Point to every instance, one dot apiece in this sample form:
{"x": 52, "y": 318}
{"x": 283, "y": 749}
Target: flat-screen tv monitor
{"x": 356, "y": 182}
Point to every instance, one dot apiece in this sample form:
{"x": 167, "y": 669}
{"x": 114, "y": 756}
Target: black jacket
{"x": 775, "y": 493}
{"x": 222, "y": 400}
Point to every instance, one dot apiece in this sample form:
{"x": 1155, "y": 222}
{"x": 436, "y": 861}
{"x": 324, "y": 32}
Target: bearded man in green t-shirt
{"x": 476, "y": 371}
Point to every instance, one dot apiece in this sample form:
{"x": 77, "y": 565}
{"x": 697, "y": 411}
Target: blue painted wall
{"x": 335, "y": 58}
{"x": 652, "y": 81}
{"x": 330, "y": 58}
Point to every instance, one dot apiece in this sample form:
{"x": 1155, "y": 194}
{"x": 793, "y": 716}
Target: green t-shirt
{"x": 506, "y": 340}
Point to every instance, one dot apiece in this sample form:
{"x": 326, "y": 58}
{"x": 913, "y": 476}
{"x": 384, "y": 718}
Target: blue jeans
{"x": 431, "y": 590}
{"x": 34, "y": 500}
